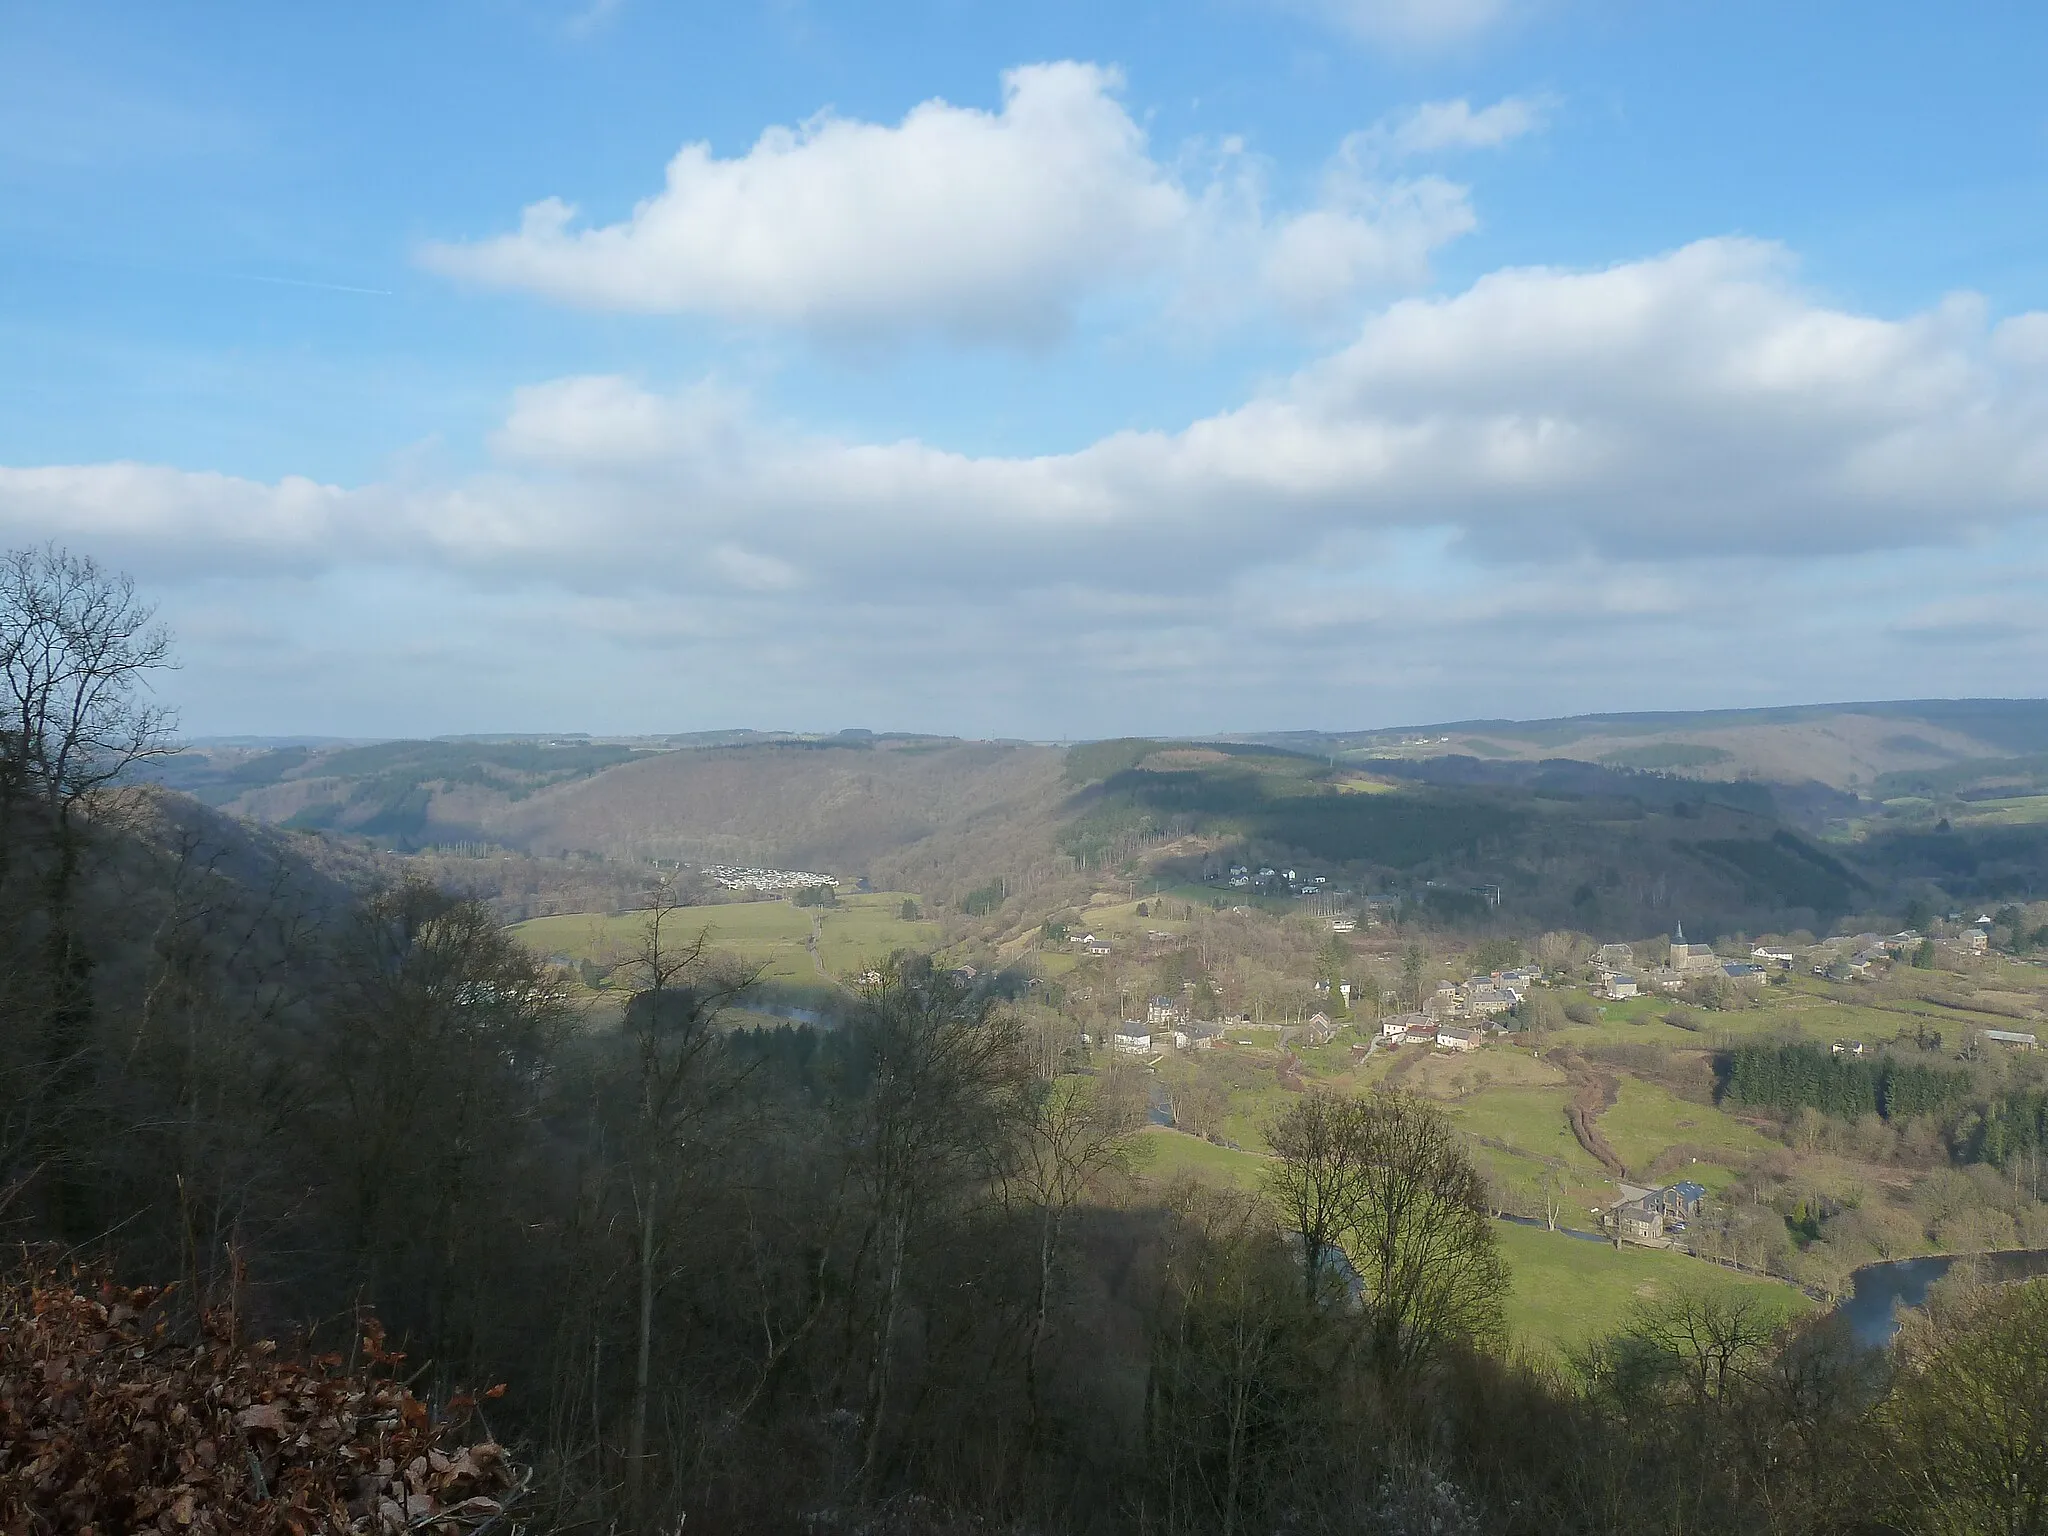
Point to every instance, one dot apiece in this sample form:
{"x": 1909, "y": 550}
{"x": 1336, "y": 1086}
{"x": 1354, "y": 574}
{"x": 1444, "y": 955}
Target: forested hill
{"x": 1553, "y": 841}
{"x": 1841, "y": 745}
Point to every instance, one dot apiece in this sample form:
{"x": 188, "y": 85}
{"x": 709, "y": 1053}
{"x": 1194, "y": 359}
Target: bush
{"x": 1582, "y": 1013}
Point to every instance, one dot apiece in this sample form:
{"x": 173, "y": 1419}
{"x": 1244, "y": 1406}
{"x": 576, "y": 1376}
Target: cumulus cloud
{"x": 988, "y": 226}
{"x": 1654, "y": 448}
{"x": 973, "y": 222}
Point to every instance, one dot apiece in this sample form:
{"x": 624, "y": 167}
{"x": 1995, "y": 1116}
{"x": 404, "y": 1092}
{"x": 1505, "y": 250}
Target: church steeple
{"x": 1679, "y": 937}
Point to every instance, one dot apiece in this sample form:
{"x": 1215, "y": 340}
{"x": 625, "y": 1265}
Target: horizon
{"x": 1705, "y": 719}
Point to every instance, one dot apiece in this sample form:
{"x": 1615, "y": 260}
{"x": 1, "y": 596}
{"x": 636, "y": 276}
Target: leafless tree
{"x": 681, "y": 991}
{"x": 1386, "y": 1180}
{"x": 77, "y": 649}
{"x": 1078, "y": 1132}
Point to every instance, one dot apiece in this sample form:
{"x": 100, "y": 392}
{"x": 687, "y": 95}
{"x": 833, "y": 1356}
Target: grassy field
{"x": 1563, "y": 1291}
{"x": 861, "y": 931}
{"x": 1646, "y": 1119}
{"x": 1566, "y": 1292}
{"x": 1164, "y": 1154}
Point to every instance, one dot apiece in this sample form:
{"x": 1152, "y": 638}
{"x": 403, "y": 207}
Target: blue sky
{"x": 1048, "y": 370}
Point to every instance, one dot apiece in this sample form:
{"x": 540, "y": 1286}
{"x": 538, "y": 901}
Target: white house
{"x": 1129, "y": 1042}
{"x": 1396, "y": 1026}
{"x": 1452, "y": 1038}
{"x": 1621, "y": 985}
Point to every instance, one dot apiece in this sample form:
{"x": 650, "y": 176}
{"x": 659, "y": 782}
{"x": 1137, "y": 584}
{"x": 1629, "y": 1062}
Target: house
{"x": 1095, "y": 946}
{"x": 1447, "y": 1002}
{"x": 2012, "y": 1038}
{"x": 1748, "y": 975}
{"x": 1848, "y": 1048}
{"x": 1639, "y": 1222}
{"x": 1487, "y": 999}
{"x": 1681, "y": 1201}
{"x": 1621, "y": 985}
{"x": 1131, "y": 1041}
{"x": 1782, "y": 958}
{"x": 1452, "y": 1038}
{"x": 1396, "y": 1026}
{"x": 1164, "y": 1010}
{"x": 1343, "y": 925}
{"x": 1426, "y": 1031}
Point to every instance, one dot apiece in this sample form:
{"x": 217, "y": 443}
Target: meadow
{"x": 860, "y": 932}
{"x": 1564, "y": 1291}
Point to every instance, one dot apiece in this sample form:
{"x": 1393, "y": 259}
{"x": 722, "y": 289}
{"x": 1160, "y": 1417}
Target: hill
{"x": 1604, "y": 824}
{"x": 1841, "y": 745}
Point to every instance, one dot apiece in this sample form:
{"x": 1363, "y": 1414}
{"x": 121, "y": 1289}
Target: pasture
{"x": 1566, "y": 1292}
{"x": 858, "y": 933}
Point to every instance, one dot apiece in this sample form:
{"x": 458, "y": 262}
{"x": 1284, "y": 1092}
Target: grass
{"x": 1565, "y": 1292}
{"x": 1529, "y": 1120}
{"x": 1646, "y": 1119}
{"x": 1164, "y": 1154}
{"x": 861, "y": 931}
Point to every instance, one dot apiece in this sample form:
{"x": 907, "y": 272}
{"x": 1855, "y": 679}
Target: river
{"x": 1879, "y": 1287}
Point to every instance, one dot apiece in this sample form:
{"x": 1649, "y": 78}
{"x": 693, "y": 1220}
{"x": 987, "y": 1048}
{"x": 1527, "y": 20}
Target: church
{"x": 1692, "y": 959}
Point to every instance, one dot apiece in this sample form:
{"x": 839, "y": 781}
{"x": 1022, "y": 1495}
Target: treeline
{"x": 2012, "y": 1125}
{"x": 1807, "y": 1076}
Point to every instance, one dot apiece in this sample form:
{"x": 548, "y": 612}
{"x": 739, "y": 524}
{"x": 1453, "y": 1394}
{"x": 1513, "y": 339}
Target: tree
{"x": 1413, "y": 962}
{"x": 1317, "y": 1179}
{"x": 1385, "y": 1180}
{"x": 671, "y": 1027}
{"x": 1421, "y": 1239}
{"x": 76, "y": 652}
{"x": 1711, "y": 1340}
{"x": 1077, "y": 1131}
{"x": 443, "y": 1029}
{"x": 1969, "y": 1413}
{"x": 939, "y": 1090}
{"x": 77, "y": 649}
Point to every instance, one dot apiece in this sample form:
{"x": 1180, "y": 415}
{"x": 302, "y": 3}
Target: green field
{"x": 1565, "y": 1292}
{"x": 1164, "y": 1154}
{"x": 1528, "y": 1120}
{"x": 1646, "y": 1119}
{"x": 861, "y": 931}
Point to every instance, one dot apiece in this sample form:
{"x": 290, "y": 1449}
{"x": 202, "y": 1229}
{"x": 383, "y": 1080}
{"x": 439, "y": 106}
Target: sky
{"x": 1042, "y": 371}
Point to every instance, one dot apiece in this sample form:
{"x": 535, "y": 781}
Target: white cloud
{"x": 1583, "y": 466}
{"x": 988, "y": 225}
{"x": 970, "y": 222}
{"x": 1437, "y": 126}
{"x": 1411, "y": 23}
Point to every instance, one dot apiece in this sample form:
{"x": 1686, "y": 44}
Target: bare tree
{"x": 671, "y": 1023}
{"x": 76, "y": 652}
{"x": 1712, "y": 1339}
{"x": 77, "y": 649}
{"x": 444, "y": 1029}
{"x": 1079, "y": 1131}
{"x": 932, "y": 1133}
{"x": 1386, "y": 1180}
{"x": 1317, "y": 1180}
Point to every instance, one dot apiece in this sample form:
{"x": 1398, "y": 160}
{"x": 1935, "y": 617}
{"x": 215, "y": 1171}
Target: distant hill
{"x": 1736, "y": 820}
{"x": 1842, "y": 745}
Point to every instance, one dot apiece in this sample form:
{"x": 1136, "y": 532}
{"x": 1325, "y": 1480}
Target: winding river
{"x": 1879, "y": 1287}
